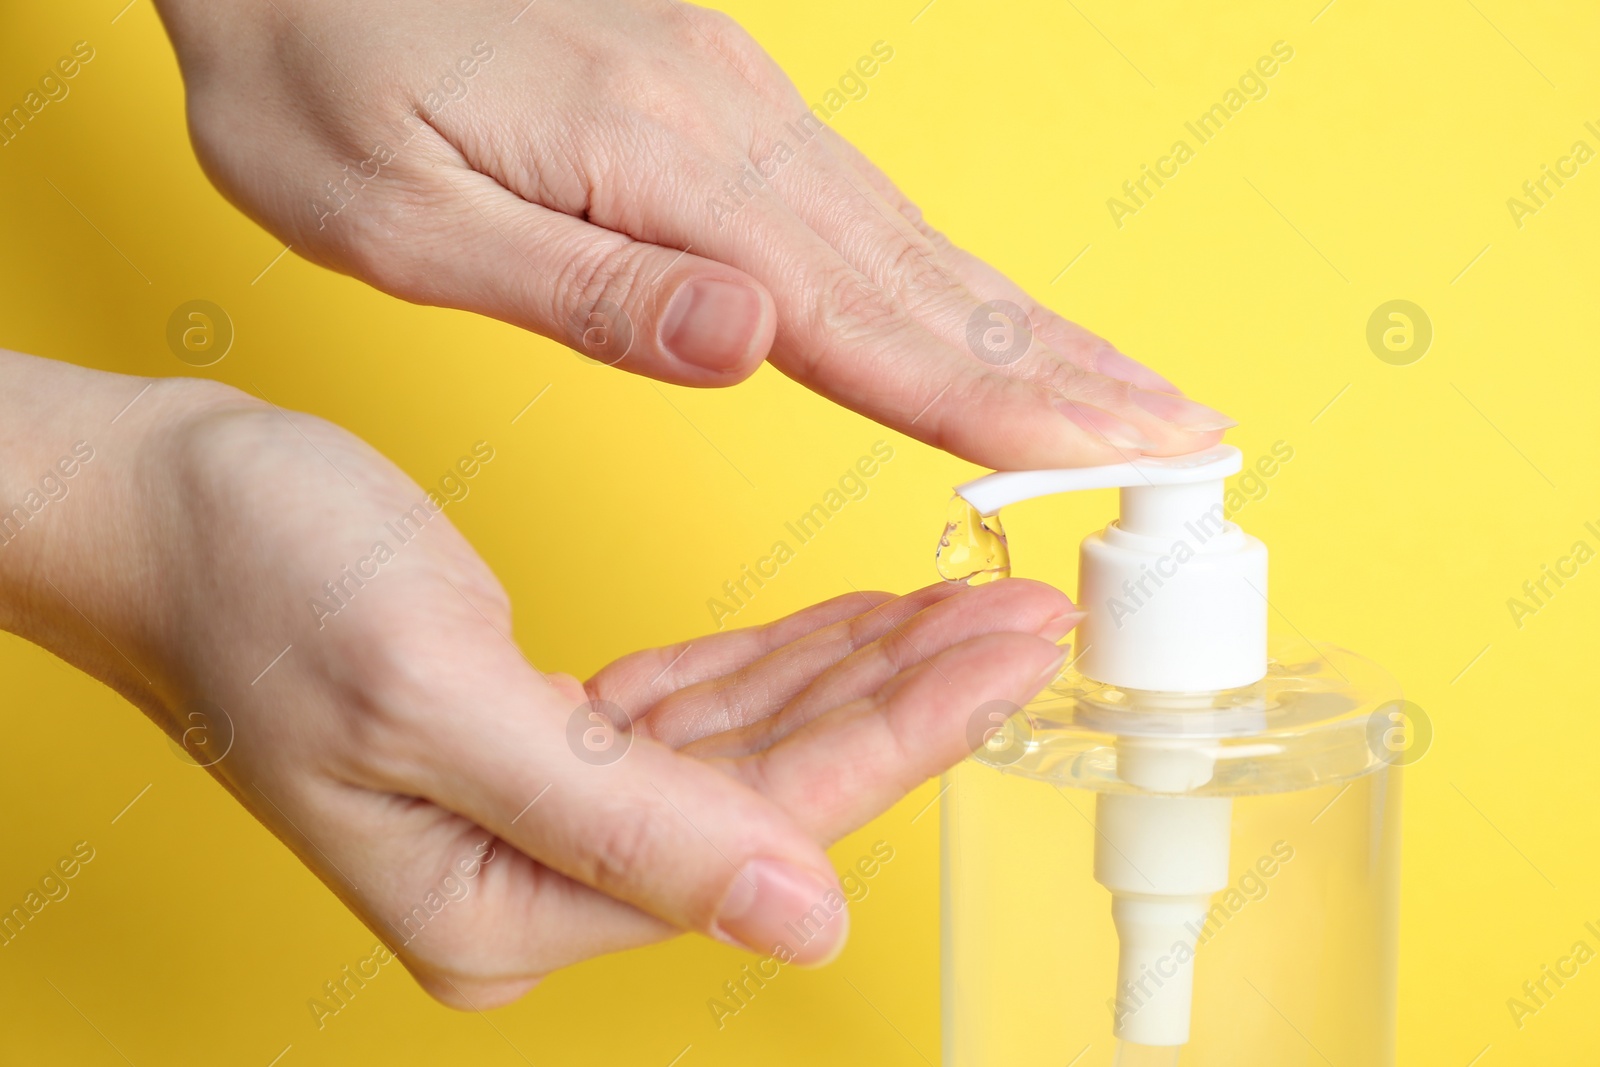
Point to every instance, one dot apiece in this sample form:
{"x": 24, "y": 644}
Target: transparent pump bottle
{"x": 1185, "y": 851}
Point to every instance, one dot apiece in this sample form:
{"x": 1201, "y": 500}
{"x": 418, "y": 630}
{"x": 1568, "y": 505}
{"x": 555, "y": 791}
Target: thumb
{"x": 661, "y": 312}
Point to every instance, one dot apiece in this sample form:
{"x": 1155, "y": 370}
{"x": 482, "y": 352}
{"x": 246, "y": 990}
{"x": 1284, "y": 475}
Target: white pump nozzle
{"x": 1205, "y": 469}
{"x": 1175, "y": 597}
{"x": 1175, "y": 594}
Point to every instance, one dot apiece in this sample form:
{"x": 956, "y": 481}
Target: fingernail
{"x": 1181, "y": 411}
{"x": 777, "y": 909}
{"x": 712, "y": 323}
{"x": 1114, "y": 364}
{"x": 1048, "y": 675}
{"x": 1103, "y": 426}
{"x": 1061, "y": 625}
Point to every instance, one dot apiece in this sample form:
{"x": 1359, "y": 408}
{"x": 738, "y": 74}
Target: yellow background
{"x": 1415, "y": 505}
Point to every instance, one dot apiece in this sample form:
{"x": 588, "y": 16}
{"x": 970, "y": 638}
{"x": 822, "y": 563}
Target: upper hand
{"x": 638, "y": 180}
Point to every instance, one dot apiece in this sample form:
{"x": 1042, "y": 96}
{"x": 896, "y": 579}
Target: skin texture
{"x": 403, "y": 746}
{"x": 560, "y": 165}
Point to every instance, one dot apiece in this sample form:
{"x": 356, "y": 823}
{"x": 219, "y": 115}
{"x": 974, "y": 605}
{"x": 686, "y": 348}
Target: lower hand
{"x": 411, "y": 756}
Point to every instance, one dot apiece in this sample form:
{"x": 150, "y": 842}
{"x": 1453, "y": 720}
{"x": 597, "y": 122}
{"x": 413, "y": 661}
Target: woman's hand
{"x": 298, "y": 614}
{"x": 638, "y": 180}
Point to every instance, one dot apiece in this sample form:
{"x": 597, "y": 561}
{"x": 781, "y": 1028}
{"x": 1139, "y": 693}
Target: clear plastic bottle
{"x": 1293, "y": 954}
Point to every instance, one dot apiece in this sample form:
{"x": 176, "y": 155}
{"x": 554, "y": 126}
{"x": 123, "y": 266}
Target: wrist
{"x": 86, "y": 483}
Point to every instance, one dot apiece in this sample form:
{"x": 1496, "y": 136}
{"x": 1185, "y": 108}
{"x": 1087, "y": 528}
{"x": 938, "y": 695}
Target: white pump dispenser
{"x": 1176, "y": 607}
{"x": 1176, "y": 594}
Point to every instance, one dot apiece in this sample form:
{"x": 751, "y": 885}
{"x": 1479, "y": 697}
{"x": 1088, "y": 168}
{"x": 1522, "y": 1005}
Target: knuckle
{"x": 708, "y": 27}
{"x": 732, "y": 40}
{"x": 598, "y": 289}
{"x": 915, "y": 268}
{"x": 913, "y": 214}
{"x": 660, "y": 108}
{"x": 719, "y": 38}
{"x": 1071, "y": 340}
{"x": 899, "y": 652}
{"x": 934, "y": 236}
{"x": 649, "y": 86}
{"x": 594, "y": 276}
{"x": 884, "y": 654}
{"x": 851, "y": 308}
{"x": 864, "y": 630}
{"x": 1061, "y": 377}
{"x": 715, "y": 23}
{"x": 485, "y": 592}
{"x": 620, "y": 848}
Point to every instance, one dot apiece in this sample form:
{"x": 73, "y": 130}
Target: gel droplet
{"x": 972, "y": 548}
